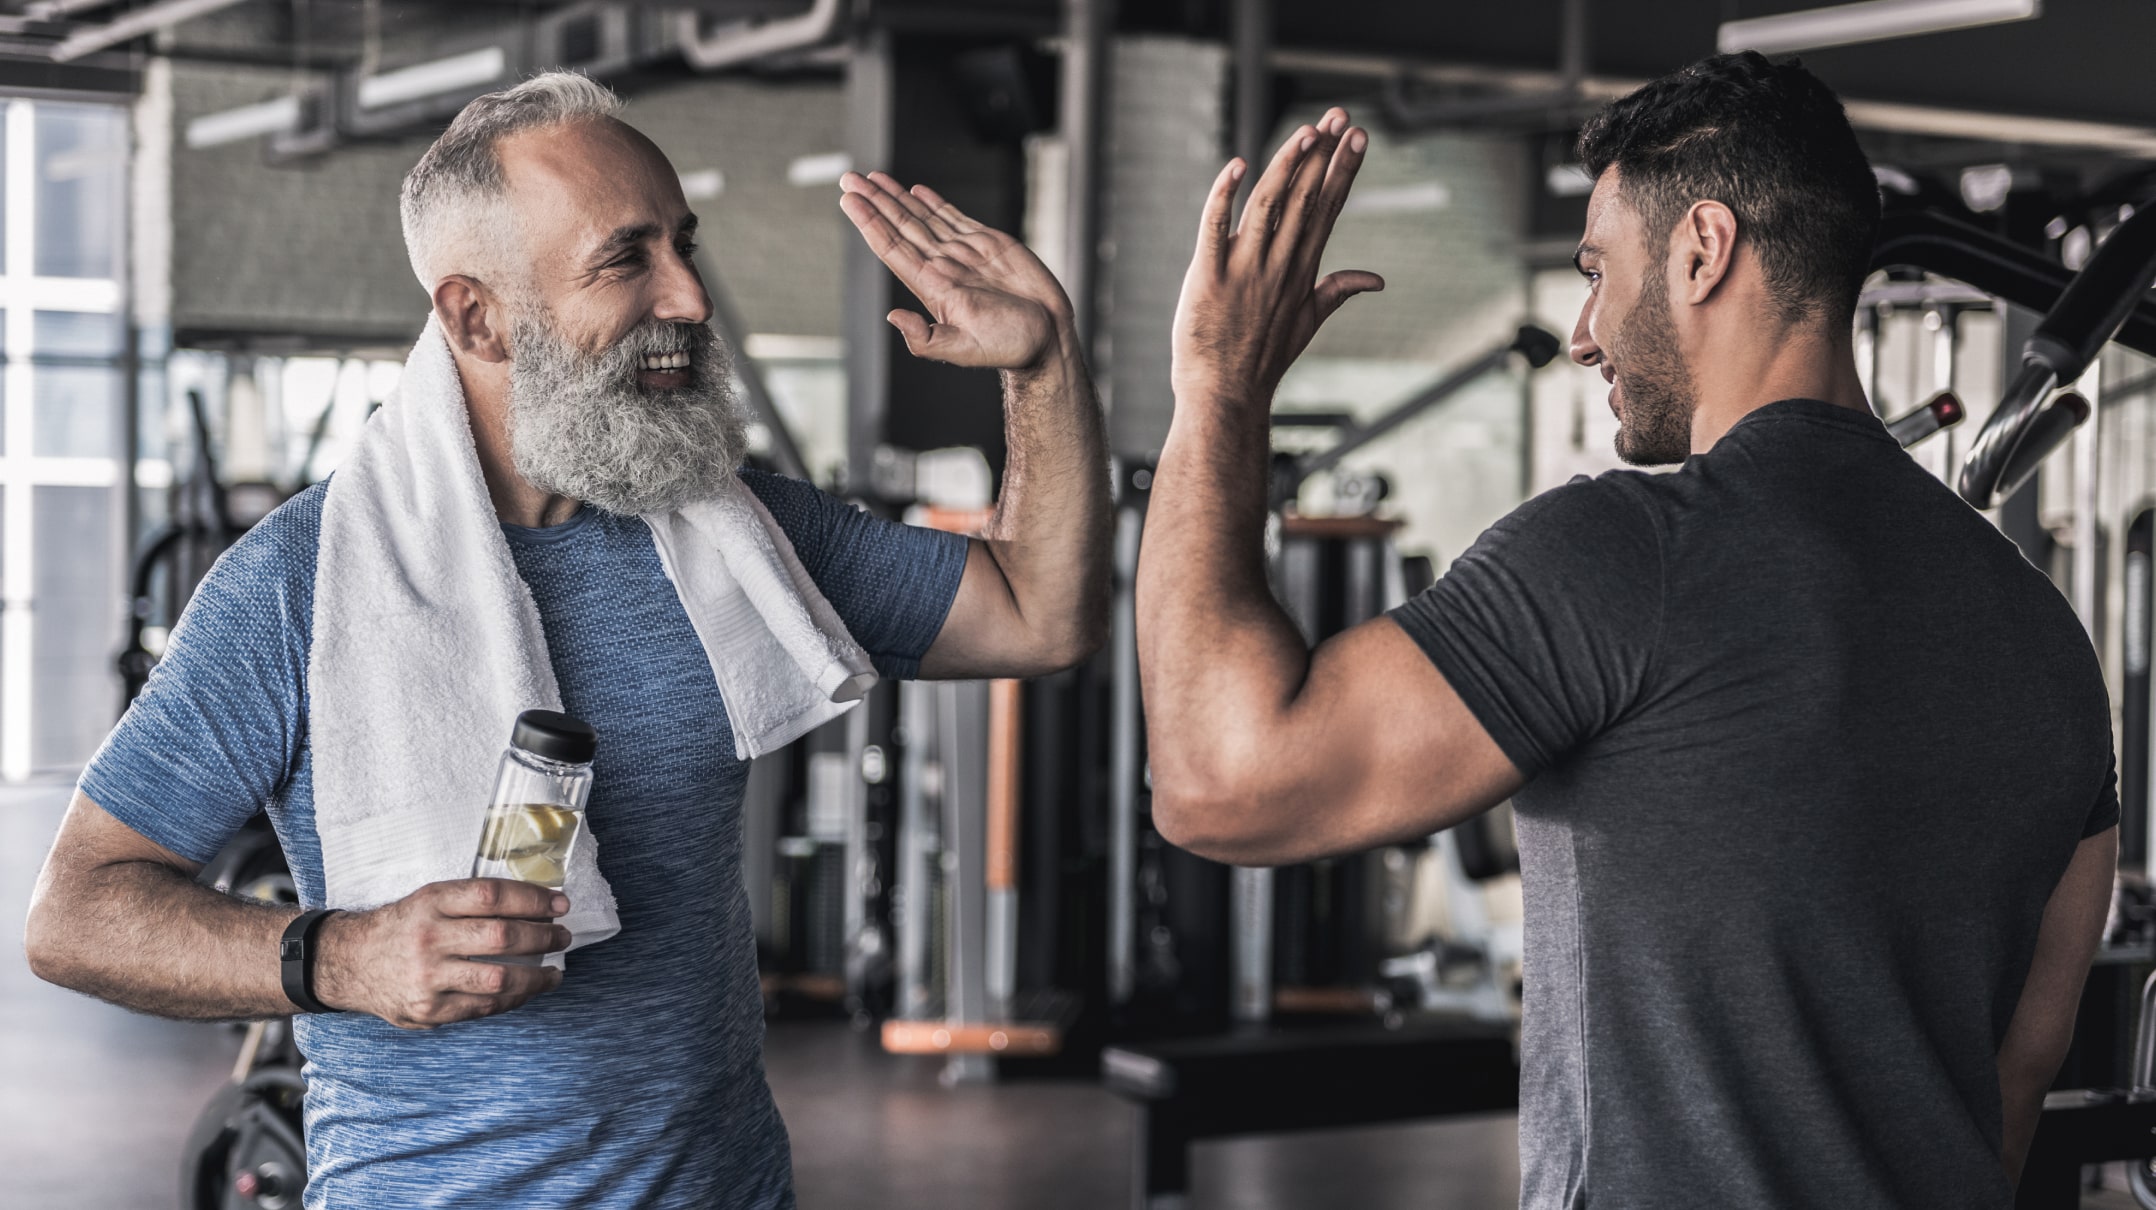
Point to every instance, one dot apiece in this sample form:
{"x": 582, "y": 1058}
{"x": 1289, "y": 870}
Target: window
{"x": 63, "y": 172}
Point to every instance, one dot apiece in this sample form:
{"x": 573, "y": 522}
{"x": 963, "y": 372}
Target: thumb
{"x": 919, "y": 333}
{"x": 1339, "y": 287}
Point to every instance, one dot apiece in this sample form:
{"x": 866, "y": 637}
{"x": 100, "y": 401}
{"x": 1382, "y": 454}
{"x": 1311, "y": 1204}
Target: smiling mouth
{"x": 661, "y": 362}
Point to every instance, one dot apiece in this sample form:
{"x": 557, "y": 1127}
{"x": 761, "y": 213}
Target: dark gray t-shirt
{"x": 1809, "y": 744}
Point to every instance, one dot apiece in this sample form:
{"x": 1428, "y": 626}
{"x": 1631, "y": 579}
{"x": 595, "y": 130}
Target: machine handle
{"x": 2028, "y": 424}
{"x": 2099, "y": 298}
{"x": 1944, "y": 411}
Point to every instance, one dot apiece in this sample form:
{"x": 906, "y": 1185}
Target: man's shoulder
{"x": 1615, "y": 505}
{"x": 288, "y": 538}
{"x": 272, "y": 565}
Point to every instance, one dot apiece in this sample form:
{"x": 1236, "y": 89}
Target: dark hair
{"x": 1771, "y": 142}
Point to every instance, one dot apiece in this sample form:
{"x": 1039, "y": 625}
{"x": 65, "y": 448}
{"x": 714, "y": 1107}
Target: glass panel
{"x": 76, "y": 411}
{"x": 81, "y": 170}
{"x": 76, "y": 615}
{"x": 76, "y": 334}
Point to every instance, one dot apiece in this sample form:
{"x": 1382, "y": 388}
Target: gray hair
{"x": 448, "y": 195}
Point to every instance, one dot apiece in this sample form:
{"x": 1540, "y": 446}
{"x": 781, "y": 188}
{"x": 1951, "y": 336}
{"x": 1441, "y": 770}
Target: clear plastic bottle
{"x": 537, "y": 812}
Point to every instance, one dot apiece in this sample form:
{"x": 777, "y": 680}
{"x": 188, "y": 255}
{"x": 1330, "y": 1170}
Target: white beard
{"x": 582, "y": 426}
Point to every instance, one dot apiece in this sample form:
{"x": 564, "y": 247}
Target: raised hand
{"x": 991, "y": 303}
{"x": 1251, "y": 300}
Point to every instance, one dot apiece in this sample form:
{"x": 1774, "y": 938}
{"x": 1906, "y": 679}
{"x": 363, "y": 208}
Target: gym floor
{"x": 95, "y": 1103}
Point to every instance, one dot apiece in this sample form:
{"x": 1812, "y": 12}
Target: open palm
{"x": 991, "y": 303}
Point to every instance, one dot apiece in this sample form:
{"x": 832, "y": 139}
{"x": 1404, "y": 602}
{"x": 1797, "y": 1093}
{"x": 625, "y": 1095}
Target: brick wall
{"x": 314, "y": 250}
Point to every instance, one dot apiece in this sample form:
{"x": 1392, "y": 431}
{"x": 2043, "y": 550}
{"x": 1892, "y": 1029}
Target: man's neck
{"x": 516, "y": 502}
{"x": 1808, "y": 362}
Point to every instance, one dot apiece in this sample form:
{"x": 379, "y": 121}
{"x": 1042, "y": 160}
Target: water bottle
{"x": 537, "y": 810}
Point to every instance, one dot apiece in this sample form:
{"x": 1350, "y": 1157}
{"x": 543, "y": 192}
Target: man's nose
{"x": 1584, "y": 349}
{"x": 681, "y": 297}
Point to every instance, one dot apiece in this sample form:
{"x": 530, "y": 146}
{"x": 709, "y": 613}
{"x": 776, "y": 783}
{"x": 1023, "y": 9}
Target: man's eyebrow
{"x": 1584, "y": 250}
{"x": 621, "y": 239}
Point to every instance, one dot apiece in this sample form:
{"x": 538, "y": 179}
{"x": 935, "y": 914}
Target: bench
{"x": 1273, "y": 1080}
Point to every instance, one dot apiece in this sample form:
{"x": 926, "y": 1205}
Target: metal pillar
{"x": 1086, "y": 26}
{"x": 869, "y": 286}
{"x": 1126, "y": 739}
{"x": 919, "y": 839}
{"x": 962, "y": 745}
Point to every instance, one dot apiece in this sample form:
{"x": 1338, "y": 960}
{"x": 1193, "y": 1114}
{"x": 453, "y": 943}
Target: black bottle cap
{"x": 556, "y": 736}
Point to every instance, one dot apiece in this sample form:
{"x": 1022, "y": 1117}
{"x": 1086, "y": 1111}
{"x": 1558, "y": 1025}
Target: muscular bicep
{"x": 90, "y": 841}
{"x": 2073, "y": 924}
{"x": 1375, "y": 747}
{"x": 2043, "y": 1025}
{"x": 90, "y": 837}
{"x": 983, "y": 635}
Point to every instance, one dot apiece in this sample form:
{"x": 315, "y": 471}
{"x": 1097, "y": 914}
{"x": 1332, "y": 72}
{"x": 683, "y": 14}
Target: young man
{"x": 1811, "y": 769}
{"x": 566, "y": 407}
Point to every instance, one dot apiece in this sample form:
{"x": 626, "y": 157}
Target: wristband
{"x": 295, "y": 960}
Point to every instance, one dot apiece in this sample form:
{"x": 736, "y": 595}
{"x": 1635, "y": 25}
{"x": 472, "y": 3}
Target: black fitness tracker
{"x": 295, "y": 958}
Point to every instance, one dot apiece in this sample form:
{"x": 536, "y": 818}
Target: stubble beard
{"x": 581, "y": 425}
{"x": 1655, "y": 421}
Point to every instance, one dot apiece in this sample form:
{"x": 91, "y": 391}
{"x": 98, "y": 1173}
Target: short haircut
{"x": 1769, "y": 141}
{"x": 450, "y": 201}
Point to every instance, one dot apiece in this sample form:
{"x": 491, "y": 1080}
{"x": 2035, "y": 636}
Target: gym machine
{"x": 2108, "y": 1110}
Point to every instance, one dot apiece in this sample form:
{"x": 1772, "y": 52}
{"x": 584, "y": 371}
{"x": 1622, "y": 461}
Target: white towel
{"x": 427, "y": 645}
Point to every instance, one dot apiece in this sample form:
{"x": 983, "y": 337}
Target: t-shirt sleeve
{"x": 891, "y": 583}
{"x": 2104, "y": 813}
{"x": 1546, "y": 625}
{"x": 219, "y": 726}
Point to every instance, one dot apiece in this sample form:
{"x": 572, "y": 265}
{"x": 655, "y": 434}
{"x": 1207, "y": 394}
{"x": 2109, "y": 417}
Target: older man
{"x": 567, "y": 313}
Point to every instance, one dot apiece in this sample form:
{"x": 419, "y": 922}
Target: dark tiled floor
{"x": 95, "y": 1103}
{"x": 870, "y": 1130}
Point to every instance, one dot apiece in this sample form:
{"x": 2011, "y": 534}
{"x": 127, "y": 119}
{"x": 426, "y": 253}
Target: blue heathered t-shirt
{"x": 639, "y": 1081}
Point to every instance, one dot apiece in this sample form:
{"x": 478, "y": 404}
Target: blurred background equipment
{"x": 974, "y": 947}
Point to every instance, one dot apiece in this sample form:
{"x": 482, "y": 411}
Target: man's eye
{"x": 689, "y": 249}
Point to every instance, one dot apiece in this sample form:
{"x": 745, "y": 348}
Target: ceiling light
{"x": 247, "y": 122}
{"x": 1399, "y": 199}
{"x": 825, "y": 168}
{"x": 468, "y": 70}
{"x": 1870, "y": 21}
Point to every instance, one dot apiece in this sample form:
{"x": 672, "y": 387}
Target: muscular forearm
{"x": 148, "y": 937}
{"x": 1050, "y": 533}
{"x": 1219, "y": 660}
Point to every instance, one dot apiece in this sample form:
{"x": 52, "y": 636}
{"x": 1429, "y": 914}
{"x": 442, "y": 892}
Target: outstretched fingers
{"x": 1214, "y": 223}
{"x": 1261, "y": 214}
{"x": 910, "y": 223}
{"x": 1298, "y": 207}
{"x": 951, "y": 216}
{"x": 883, "y": 237}
{"x": 1324, "y": 212}
{"x": 919, "y": 211}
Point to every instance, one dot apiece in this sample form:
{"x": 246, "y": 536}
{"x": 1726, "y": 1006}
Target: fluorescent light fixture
{"x": 246, "y": 122}
{"x": 788, "y": 346}
{"x": 1568, "y": 180}
{"x": 824, "y": 169}
{"x": 703, "y": 185}
{"x": 1869, "y": 21}
{"x": 1415, "y": 198}
{"x": 468, "y": 70}
{"x": 132, "y": 24}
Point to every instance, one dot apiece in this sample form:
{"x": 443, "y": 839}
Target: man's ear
{"x": 472, "y": 318}
{"x": 1706, "y": 245}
